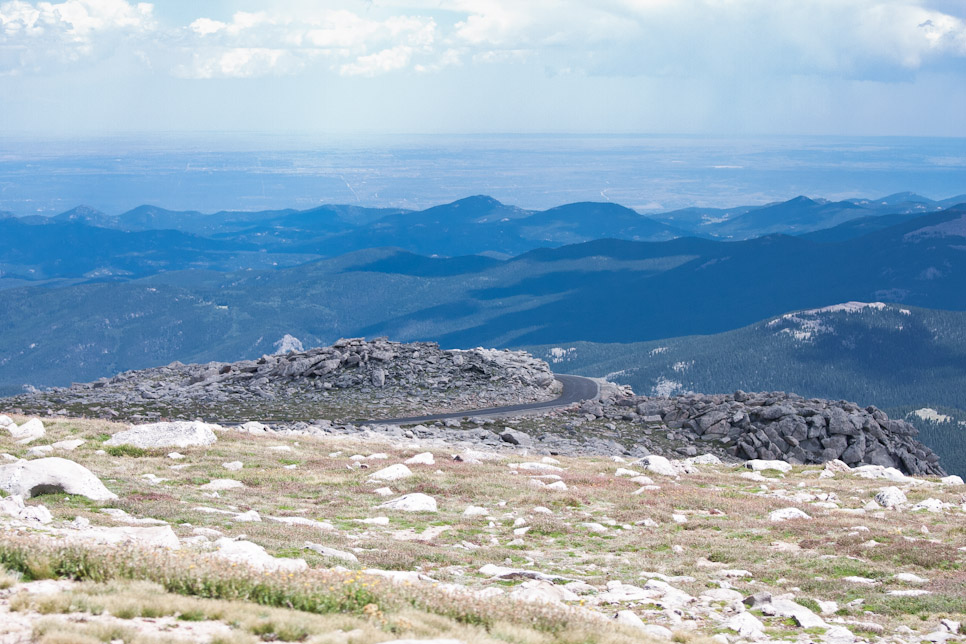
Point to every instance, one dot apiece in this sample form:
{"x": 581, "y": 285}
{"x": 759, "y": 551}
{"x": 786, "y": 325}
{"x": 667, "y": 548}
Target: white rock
{"x": 46, "y": 475}
{"x": 802, "y": 615}
{"x": 542, "y": 510}
{"x": 951, "y": 480}
{"x": 629, "y": 618}
{"x": 253, "y": 427}
{"x": 929, "y": 505}
{"x": 6, "y": 421}
{"x": 910, "y": 578}
{"x": 383, "y": 491}
{"x": 175, "y": 456}
{"x": 157, "y": 536}
{"x": 656, "y": 630}
{"x": 537, "y": 590}
{"x": 233, "y": 466}
{"x": 425, "y": 458}
{"x": 618, "y": 592}
{"x": 679, "y": 518}
{"x": 29, "y": 431}
{"x": 705, "y": 459}
{"x": 218, "y": 485}
{"x": 594, "y": 527}
{"x": 39, "y": 451}
{"x": 123, "y": 517}
{"x": 890, "y": 497}
{"x": 911, "y": 592}
{"x": 321, "y": 525}
{"x": 68, "y": 445}
{"x": 391, "y": 473}
{"x": 249, "y": 517}
{"x": 643, "y": 480}
{"x": 734, "y": 573}
{"x": 786, "y": 514}
{"x": 475, "y": 511}
{"x": 375, "y": 521}
{"x": 560, "y": 486}
{"x": 658, "y": 465}
{"x": 14, "y": 506}
{"x": 880, "y": 472}
{"x": 759, "y": 465}
{"x": 416, "y": 502}
{"x": 253, "y": 555}
{"x": 745, "y": 624}
{"x": 838, "y": 635}
{"x": 539, "y": 467}
{"x": 721, "y": 595}
{"x": 175, "y": 434}
{"x": 622, "y": 471}
{"x": 865, "y": 581}
{"x": 331, "y": 552}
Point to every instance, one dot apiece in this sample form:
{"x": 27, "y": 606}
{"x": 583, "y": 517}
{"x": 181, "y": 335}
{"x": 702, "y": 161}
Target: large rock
{"x": 176, "y": 434}
{"x": 29, "y": 431}
{"x": 658, "y": 465}
{"x": 52, "y": 475}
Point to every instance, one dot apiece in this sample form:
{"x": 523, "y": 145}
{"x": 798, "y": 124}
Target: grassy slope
{"x": 726, "y": 528}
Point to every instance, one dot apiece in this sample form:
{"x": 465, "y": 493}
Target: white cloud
{"x": 34, "y": 36}
{"x": 718, "y": 39}
{"x": 387, "y": 60}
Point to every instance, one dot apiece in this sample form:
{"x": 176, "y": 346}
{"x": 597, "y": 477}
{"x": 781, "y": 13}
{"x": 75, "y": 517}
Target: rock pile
{"x": 787, "y": 427}
{"x": 416, "y": 377}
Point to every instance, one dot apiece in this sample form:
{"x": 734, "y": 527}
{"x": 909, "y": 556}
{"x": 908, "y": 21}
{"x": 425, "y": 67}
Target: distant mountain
{"x": 69, "y": 247}
{"x": 600, "y": 291}
{"x": 84, "y": 215}
{"x": 797, "y": 216}
{"x": 901, "y": 358}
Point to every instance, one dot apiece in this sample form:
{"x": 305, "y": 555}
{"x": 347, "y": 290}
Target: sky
{"x": 714, "y": 67}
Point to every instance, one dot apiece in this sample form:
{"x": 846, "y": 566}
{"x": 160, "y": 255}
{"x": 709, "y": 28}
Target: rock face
{"x": 177, "y": 434}
{"x": 786, "y": 427}
{"x": 419, "y": 376}
{"x": 51, "y": 475}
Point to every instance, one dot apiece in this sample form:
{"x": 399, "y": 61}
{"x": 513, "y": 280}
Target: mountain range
{"x": 600, "y": 291}
{"x": 149, "y": 240}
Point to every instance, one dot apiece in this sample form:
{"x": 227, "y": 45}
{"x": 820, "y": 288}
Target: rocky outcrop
{"x": 790, "y": 428}
{"x": 352, "y": 373}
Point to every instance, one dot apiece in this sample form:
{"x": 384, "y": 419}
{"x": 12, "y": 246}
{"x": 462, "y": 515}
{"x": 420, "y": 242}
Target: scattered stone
{"x": 68, "y": 445}
{"x": 745, "y": 624}
{"x": 232, "y": 466}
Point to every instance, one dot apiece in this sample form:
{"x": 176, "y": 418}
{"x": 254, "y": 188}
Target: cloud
{"x": 718, "y": 39}
{"x": 45, "y": 34}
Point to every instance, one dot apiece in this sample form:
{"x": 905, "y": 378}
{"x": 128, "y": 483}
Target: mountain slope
{"x": 903, "y": 358}
{"x": 601, "y": 291}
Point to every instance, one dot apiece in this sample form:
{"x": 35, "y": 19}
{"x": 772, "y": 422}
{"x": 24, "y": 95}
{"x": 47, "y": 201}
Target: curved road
{"x": 575, "y": 389}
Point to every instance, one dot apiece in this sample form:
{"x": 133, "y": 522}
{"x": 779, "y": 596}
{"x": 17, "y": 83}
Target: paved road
{"x": 575, "y": 389}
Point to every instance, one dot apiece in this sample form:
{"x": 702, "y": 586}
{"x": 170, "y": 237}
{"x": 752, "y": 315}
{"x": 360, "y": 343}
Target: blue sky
{"x": 723, "y": 67}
